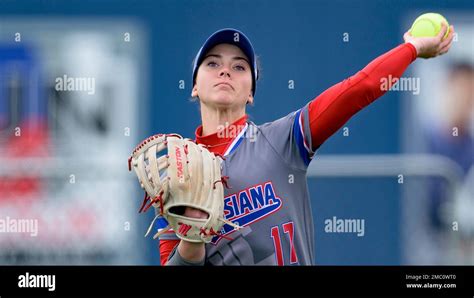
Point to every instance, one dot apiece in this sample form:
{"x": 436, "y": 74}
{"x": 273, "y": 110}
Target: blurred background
{"x": 82, "y": 82}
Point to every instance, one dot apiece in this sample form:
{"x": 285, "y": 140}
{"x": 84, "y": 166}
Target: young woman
{"x": 273, "y": 208}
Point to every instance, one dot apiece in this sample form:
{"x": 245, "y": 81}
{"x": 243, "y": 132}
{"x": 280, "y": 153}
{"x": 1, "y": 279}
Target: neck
{"x": 214, "y": 119}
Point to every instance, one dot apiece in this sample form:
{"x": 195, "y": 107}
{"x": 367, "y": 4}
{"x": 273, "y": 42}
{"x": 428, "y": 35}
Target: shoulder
{"x": 283, "y": 121}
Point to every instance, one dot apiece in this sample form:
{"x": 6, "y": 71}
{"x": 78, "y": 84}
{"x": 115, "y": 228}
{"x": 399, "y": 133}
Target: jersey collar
{"x": 223, "y": 142}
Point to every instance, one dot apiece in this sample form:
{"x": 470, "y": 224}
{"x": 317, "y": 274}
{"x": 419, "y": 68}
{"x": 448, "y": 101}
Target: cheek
{"x": 246, "y": 85}
{"x": 203, "y": 81}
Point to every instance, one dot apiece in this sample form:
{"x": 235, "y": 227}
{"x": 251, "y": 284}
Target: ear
{"x": 250, "y": 99}
{"x": 194, "y": 92}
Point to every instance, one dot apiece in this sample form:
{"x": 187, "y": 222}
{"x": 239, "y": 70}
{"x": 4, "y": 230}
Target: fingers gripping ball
{"x": 177, "y": 173}
{"x": 428, "y": 25}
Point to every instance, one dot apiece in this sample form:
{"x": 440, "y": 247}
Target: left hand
{"x": 429, "y": 47}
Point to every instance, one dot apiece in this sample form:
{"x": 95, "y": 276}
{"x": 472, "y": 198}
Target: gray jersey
{"x": 267, "y": 165}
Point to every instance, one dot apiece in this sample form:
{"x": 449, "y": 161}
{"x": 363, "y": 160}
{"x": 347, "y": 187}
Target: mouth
{"x": 224, "y": 84}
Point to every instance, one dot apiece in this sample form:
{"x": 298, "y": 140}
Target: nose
{"x": 224, "y": 72}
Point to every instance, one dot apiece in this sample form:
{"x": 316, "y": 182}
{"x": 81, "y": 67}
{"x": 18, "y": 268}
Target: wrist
{"x": 415, "y": 45}
{"x": 191, "y": 251}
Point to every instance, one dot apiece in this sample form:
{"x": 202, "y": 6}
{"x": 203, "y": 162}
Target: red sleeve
{"x": 334, "y": 107}
{"x": 166, "y": 247}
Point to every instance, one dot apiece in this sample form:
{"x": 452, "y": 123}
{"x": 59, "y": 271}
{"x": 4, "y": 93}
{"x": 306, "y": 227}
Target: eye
{"x": 240, "y": 67}
{"x": 212, "y": 64}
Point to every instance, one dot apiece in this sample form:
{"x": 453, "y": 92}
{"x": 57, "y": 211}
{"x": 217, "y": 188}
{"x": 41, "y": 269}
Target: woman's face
{"x": 224, "y": 78}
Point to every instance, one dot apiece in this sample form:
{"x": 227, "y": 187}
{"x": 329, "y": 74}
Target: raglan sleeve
{"x": 290, "y": 137}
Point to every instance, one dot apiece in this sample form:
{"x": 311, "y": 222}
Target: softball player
{"x": 273, "y": 209}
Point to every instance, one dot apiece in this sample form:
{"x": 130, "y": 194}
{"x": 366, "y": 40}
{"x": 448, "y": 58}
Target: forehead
{"x": 225, "y": 49}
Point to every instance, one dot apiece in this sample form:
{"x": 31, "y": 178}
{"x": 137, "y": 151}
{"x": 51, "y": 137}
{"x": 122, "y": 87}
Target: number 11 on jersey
{"x": 289, "y": 230}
